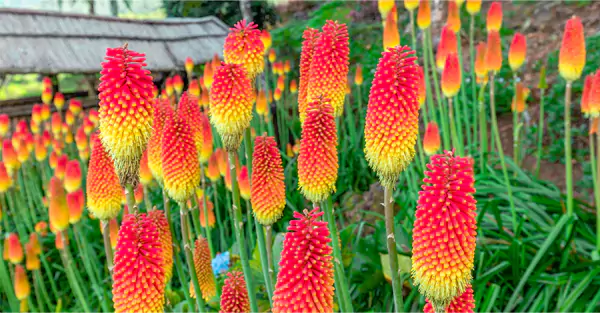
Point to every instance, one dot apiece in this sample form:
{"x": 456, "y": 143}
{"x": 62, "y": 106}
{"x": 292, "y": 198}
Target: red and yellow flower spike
{"x": 5, "y": 178}
{"x": 385, "y": 6}
{"x": 571, "y": 58}
{"x": 318, "y": 158}
{"x": 306, "y": 56}
{"x": 234, "y": 298}
{"x": 209, "y": 207}
{"x": 448, "y": 44}
{"x": 189, "y": 111}
{"x": 59, "y": 101}
{"x": 518, "y": 103}
{"x": 212, "y": 171}
{"x": 451, "y": 76}
{"x": 61, "y": 166}
{"x": 268, "y": 186}
{"x": 207, "y": 138}
{"x": 178, "y": 84}
{"x": 473, "y": 6}
{"x": 493, "y": 52}
{"x": 166, "y": 242}
{"x": 72, "y": 180}
{"x": 465, "y": 303}
{"x": 244, "y": 46}
{"x": 231, "y": 100}
{"x": 392, "y": 122}
{"x": 21, "y": 283}
{"x": 261, "y": 103}
{"x": 126, "y": 111}
{"x": 75, "y": 203}
{"x": 305, "y": 278}
{"x": 189, "y": 67}
{"x": 4, "y": 125}
{"x": 329, "y": 66}
{"x": 445, "y": 229}
{"x": 272, "y": 56}
{"x": 480, "y": 63}
{"x": 494, "y": 17}
{"x": 585, "y": 95}
{"x": 358, "y": 75}
{"x": 103, "y": 188}
{"x": 32, "y": 259}
{"x": 453, "y": 20}
{"x": 181, "y": 170}
{"x": 162, "y": 112}
{"x": 431, "y": 140}
{"x": 58, "y": 211}
{"x": 208, "y": 77}
{"x": 594, "y": 95}
{"x": 517, "y": 51}
{"x": 424, "y": 15}
{"x": 75, "y": 107}
{"x": 14, "y": 249}
{"x": 391, "y": 35}
{"x": 265, "y": 37}
{"x": 244, "y": 183}
{"x": 10, "y": 157}
{"x": 145, "y": 173}
{"x": 204, "y": 271}
{"x": 138, "y": 275}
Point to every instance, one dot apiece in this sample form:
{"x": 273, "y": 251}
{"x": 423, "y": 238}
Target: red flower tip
{"x": 448, "y": 44}
{"x": 517, "y": 51}
{"x": 72, "y": 176}
{"x": 14, "y": 249}
{"x": 451, "y": 76}
{"x": 244, "y": 46}
{"x": 431, "y": 141}
{"x": 234, "y": 298}
{"x": 465, "y": 303}
{"x": 571, "y": 58}
{"x": 453, "y": 21}
{"x": 75, "y": 203}
{"x": 494, "y": 17}
{"x": 493, "y": 52}
{"x": 268, "y": 186}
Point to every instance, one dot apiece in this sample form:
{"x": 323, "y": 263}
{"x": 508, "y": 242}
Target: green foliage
{"x": 228, "y": 11}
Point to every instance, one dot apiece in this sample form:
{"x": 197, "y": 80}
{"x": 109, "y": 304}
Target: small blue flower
{"x": 220, "y": 263}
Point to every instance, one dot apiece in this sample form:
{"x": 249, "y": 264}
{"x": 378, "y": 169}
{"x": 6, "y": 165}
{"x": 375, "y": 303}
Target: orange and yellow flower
{"x": 72, "y": 180}
{"x": 234, "y": 298}
{"x": 32, "y": 259}
{"x": 244, "y": 183}
{"x": 518, "y": 104}
{"x": 411, "y": 5}
{"x": 145, "y": 173}
{"x": 318, "y": 158}
{"x": 305, "y": 278}
{"x": 431, "y": 140}
{"x": 494, "y": 17}
{"x": 393, "y": 101}
{"x": 189, "y": 111}
{"x": 308, "y": 50}
{"x": 453, "y": 20}
{"x": 358, "y": 75}
{"x": 517, "y": 51}
{"x": 166, "y": 242}
{"x": 75, "y": 203}
{"x": 493, "y": 52}
{"x": 204, "y": 271}
{"x": 448, "y": 44}
{"x": 244, "y": 46}
{"x": 465, "y": 303}
{"x": 212, "y": 170}
{"x": 10, "y": 157}
{"x": 480, "y": 63}
{"x": 58, "y": 211}
{"x": 594, "y": 95}
{"x": 14, "y": 249}
{"x": 103, "y": 188}
{"x": 424, "y": 15}
{"x": 473, "y": 6}
{"x": 448, "y": 191}
{"x": 265, "y": 37}
{"x": 571, "y": 58}
{"x": 451, "y": 76}
{"x": 268, "y": 186}
{"x": 5, "y": 178}
{"x": 21, "y": 283}
{"x": 391, "y": 35}
{"x": 162, "y": 112}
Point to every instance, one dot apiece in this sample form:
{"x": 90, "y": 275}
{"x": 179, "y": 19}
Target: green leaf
{"x": 404, "y": 265}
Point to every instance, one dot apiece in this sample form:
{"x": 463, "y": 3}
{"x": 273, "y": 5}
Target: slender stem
{"x": 213, "y": 252}
{"x": 540, "y": 134}
{"x": 6, "y": 280}
{"x": 67, "y": 260}
{"x": 187, "y": 249}
{"x": 483, "y": 130}
{"x": 107, "y": 246}
{"x": 496, "y": 136}
{"x": 429, "y": 94}
{"x": 39, "y": 279}
{"x": 474, "y": 105}
{"x": 569, "y": 163}
{"x": 597, "y": 192}
{"x": 463, "y": 103}
{"x": 412, "y": 29}
{"x": 130, "y": 196}
{"x": 38, "y": 297}
{"x": 392, "y": 253}
{"x": 269, "y": 243}
{"x": 456, "y": 142}
{"x": 147, "y": 201}
{"x": 223, "y": 242}
{"x": 239, "y": 234}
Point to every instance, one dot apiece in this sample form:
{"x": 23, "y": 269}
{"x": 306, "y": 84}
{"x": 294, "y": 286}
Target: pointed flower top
{"x": 571, "y": 58}
{"x": 244, "y": 46}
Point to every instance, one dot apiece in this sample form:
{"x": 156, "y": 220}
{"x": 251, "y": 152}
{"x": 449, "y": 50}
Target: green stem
{"x": 463, "y": 103}
{"x": 597, "y": 193}
{"x": 483, "y": 130}
{"x": 392, "y": 253}
{"x": 130, "y": 196}
{"x": 7, "y": 286}
{"x": 569, "y": 163}
{"x": 412, "y": 29}
{"x": 429, "y": 93}
{"x": 456, "y": 142}
{"x": 38, "y": 296}
{"x": 39, "y": 280}
{"x": 147, "y": 201}
{"x": 239, "y": 234}
{"x": 107, "y": 246}
{"x": 187, "y": 249}
{"x": 223, "y": 242}
{"x": 269, "y": 244}
{"x": 438, "y": 97}
{"x": 474, "y": 105}
{"x": 213, "y": 252}
{"x": 540, "y": 134}
{"x": 67, "y": 260}
{"x": 496, "y": 136}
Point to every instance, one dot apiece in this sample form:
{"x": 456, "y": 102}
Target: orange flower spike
{"x": 22, "y": 153}
{"x": 308, "y": 48}
{"x": 15, "y": 250}
{"x": 189, "y": 66}
{"x": 45, "y": 112}
{"x": 594, "y": 126}
{"x": 424, "y": 15}
{"x": 465, "y": 303}
{"x": 58, "y": 242}
{"x": 422, "y": 88}
{"x": 59, "y": 99}
{"x": 145, "y": 173}
{"x": 21, "y": 283}
{"x": 126, "y": 111}
{"x": 72, "y": 179}
{"x": 208, "y": 75}
{"x": 113, "y": 228}
{"x": 261, "y": 102}
{"x": 94, "y": 116}
{"x": 329, "y": 67}
{"x": 53, "y": 160}
{"x": 447, "y": 191}
{"x": 244, "y": 46}
{"x": 234, "y": 298}
{"x": 293, "y": 86}
{"x": 411, "y": 5}
{"x": 34, "y": 241}
{"x": 277, "y": 95}
{"x": 244, "y": 183}
{"x": 585, "y": 95}
{"x": 266, "y": 39}
{"x": 318, "y": 159}
{"x": 571, "y": 58}
{"x": 178, "y": 84}
{"x": 103, "y": 188}
{"x": 162, "y": 111}
{"x": 480, "y": 66}
{"x": 189, "y": 111}
{"x": 358, "y": 75}
{"x": 204, "y": 271}
{"x": 138, "y": 275}
{"x": 75, "y": 203}
{"x": 4, "y": 125}
{"x": 494, "y": 17}
{"x": 46, "y": 82}
{"x": 451, "y": 76}
{"x": 222, "y": 160}
{"x": 453, "y": 21}
{"x": 268, "y": 186}
{"x": 391, "y": 35}
{"x": 517, "y": 51}
{"x": 280, "y": 83}
{"x": 61, "y": 166}
{"x": 166, "y": 242}
{"x": 594, "y": 95}
{"x": 231, "y": 101}
{"x": 169, "y": 86}
{"x": 41, "y": 228}
{"x": 81, "y": 139}
{"x": 272, "y": 56}
{"x": 58, "y": 211}
{"x": 306, "y": 266}
{"x": 448, "y": 44}
{"x": 393, "y": 101}
{"x": 181, "y": 170}
{"x": 431, "y": 141}
{"x": 88, "y": 125}
{"x": 518, "y": 103}
{"x": 5, "y": 178}
{"x": 75, "y": 107}
{"x": 32, "y": 259}
{"x": 10, "y": 157}
{"x": 36, "y": 115}
{"x": 493, "y": 52}
{"x": 288, "y": 150}
{"x": 473, "y": 6}
{"x": 385, "y": 6}
{"x": 138, "y": 194}
{"x": 212, "y": 170}
{"x": 194, "y": 89}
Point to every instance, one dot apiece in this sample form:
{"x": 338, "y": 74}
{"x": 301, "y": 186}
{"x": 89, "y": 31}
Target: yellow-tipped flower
{"x": 318, "y": 159}
{"x": 13, "y": 249}
{"x": 126, "y": 92}
{"x": 431, "y": 140}
{"x": 75, "y": 203}
{"x": 58, "y": 211}
{"x": 189, "y": 111}
{"x": 411, "y": 5}
{"x": 453, "y": 21}
{"x": 5, "y": 179}
{"x": 493, "y": 52}
{"x": 204, "y": 271}
{"x": 166, "y": 242}
{"x": 231, "y": 100}
{"x": 358, "y": 75}
{"x": 473, "y": 6}
{"x": 494, "y": 17}
{"x": 571, "y": 58}
{"x": 448, "y": 44}
{"x": 244, "y": 46}
{"x": 451, "y": 76}
{"x": 385, "y": 6}
{"x": 392, "y": 122}
{"x": 21, "y": 284}
{"x": 480, "y": 66}
{"x": 265, "y": 37}
{"x": 32, "y": 259}
{"x": 308, "y": 50}
{"x": 424, "y": 15}
{"x": 268, "y": 186}
{"x": 517, "y": 51}
{"x": 329, "y": 67}
{"x": 103, "y": 188}
{"x": 181, "y": 170}
{"x": 391, "y": 35}
{"x": 162, "y": 112}
{"x": 145, "y": 173}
